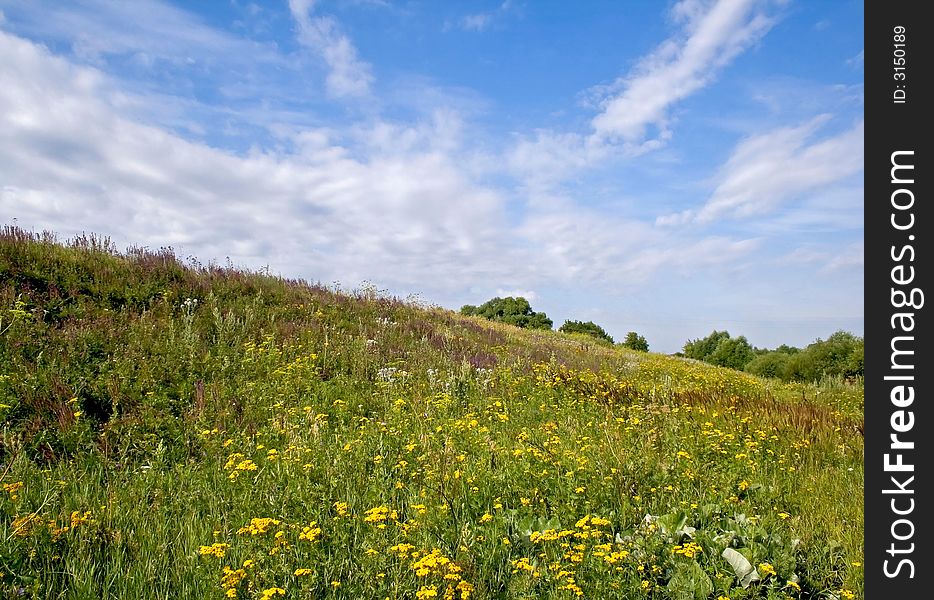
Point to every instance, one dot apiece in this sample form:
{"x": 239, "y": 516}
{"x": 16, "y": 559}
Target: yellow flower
{"x": 847, "y": 594}
{"x": 302, "y": 572}
{"x": 258, "y": 526}
{"x": 783, "y": 515}
{"x": 13, "y": 489}
{"x": 311, "y": 532}
{"x": 486, "y": 518}
{"x": 766, "y": 569}
{"x": 270, "y": 592}
{"x": 217, "y": 550}
{"x": 689, "y": 550}
{"x": 426, "y": 592}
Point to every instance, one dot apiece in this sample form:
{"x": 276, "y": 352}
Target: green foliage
{"x": 770, "y": 364}
{"x": 589, "y": 328}
{"x": 840, "y": 355}
{"x": 703, "y": 348}
{"x": 509, "y": 310}
{"x": 733, "y": 353}
{"x": 720, "y": 349}
{"x": 634, "y": 341}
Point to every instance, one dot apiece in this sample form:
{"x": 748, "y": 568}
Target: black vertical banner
{"x": 899, "y": 421}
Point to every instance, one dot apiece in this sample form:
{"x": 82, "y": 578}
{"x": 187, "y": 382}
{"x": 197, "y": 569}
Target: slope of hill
{"x": 180, "y": 431}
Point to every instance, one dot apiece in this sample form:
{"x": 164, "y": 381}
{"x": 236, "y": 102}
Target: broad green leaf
{"x": 745, "y": 572}
{"x": 689, "y": 582}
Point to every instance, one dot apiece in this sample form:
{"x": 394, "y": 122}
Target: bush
{"x": 589, "y": 328}
{"x": 634, "y": 341}
{"x": 771, "y": 364}
{"x": 703, "y": 349}
{"x": 720, "y": 349}
{"x": 513, "y": 311}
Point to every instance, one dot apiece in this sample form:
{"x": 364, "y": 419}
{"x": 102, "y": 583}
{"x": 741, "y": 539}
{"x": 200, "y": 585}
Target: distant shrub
{"x": 839, "y": 355}
{"x": 703, "y": 348}
{"x": 634, "y": 341}
{"x": 720, "y": 349}
{"x": 589, "y": 328}
{"x": 513, "y": 311}
{"x": 770, "y": 364}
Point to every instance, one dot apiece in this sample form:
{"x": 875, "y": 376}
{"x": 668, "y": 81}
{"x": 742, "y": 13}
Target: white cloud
{"x": 70, "y": 162}
{"x": 634, "y": 112}
{"x": 825, "y": 259}
{"x": 477, "y": 22}
{"x": 712, "y": 35}
{"x": 348, "y": 75}
{"x": 550, "y": 157}
{"x": 529, "y": 295}
{"x": 857, "y": 61}
{"x": 769, "y": 169}
{"x": 850, "y": 257}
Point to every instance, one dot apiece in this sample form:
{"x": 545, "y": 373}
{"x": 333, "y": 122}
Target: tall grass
{"x": 174, "y": 430}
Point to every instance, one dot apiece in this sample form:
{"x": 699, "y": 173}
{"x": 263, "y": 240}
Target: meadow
{"x": 174, "y": 430}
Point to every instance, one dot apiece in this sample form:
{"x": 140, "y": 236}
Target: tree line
{"x": 518, "y": 312}
{"x": 840, "y": 355}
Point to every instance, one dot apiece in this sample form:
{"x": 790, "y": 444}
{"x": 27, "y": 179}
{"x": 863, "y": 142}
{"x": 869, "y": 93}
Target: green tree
{"x": 634, "y": 341}
{"x": 771, "y": 364}
{"x": 840, "y": 355}
{"x": 734, "y": 353}
{"x": 513, "y": 311}
{"x": 589, "y": 328}
{"x": 703, "y": 349}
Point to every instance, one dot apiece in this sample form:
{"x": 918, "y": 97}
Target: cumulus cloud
{"x": 348, "y": 75}
{"x": 712, "y": 34}
{"x": 70, "y": 162}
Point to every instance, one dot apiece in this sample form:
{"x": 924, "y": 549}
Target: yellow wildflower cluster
{"x": 236, "y": 464}
{"x": 378, "y": 515}
{"x": 766, "y": 569}
{"x": 13, "y": 489}
{"x": 258, "y": 526}
{"x": 310, "y": 532}
{"x": 524, "y": 564}
{"x": 23, "y": 526}
{"x": 402, "y": 549}
{"x": 689, "y": 550}
{"x": 279, "y": 543}
{"x": 230, "y": 579}
{"x": 78, "y": 518}
{"x": 216, "y": 549}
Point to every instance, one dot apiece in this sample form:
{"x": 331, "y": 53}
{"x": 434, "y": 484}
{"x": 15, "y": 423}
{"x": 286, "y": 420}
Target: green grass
{"x": 187, "y": 431}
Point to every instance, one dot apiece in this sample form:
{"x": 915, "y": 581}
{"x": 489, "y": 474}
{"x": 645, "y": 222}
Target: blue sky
{"x": 665, "y": 167}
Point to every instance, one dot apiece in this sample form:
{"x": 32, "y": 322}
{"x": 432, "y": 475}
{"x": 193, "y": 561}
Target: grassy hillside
{"x": 173, "y": 431}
